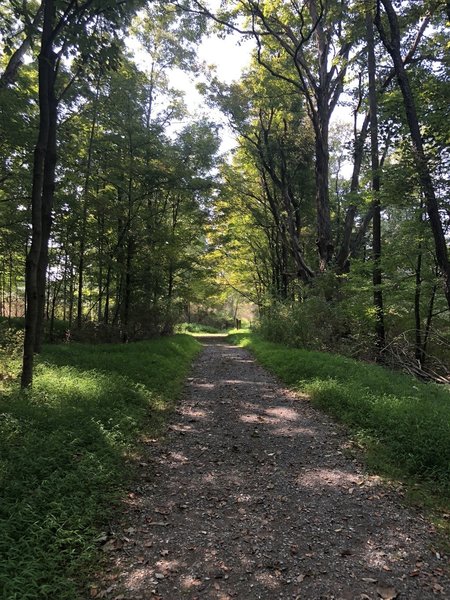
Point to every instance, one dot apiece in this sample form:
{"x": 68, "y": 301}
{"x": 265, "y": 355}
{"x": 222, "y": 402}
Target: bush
{"x": 11, "y": 347}
{"x": 318, "y": 325}
{"x": 197, "y": 328}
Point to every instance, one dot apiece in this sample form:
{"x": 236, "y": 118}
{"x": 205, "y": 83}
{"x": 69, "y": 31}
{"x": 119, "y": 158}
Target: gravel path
{"x": 252, "y": 494}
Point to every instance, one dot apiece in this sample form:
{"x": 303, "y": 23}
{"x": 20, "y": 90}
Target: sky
{"x": 229, "y": 56}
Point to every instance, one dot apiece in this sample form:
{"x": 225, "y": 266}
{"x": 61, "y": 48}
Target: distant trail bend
{"x": 252, "y": 495}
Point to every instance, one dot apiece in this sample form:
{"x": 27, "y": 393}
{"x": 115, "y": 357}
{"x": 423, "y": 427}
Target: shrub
{"x": 197, "y": 328}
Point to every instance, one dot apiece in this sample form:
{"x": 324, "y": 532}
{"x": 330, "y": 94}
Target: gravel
{"x": 254, "y": 494}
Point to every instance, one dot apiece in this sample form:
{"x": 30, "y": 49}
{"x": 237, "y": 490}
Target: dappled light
{"x": 325, "y": 477}
{"x": 65, "y": 447}
{"x": 255, "y": 498}
{"x": 177, "y": 177}
{"x": 194, "y": 413}
{"x": 282, "y": 413}
{"x": 204, "y": 386}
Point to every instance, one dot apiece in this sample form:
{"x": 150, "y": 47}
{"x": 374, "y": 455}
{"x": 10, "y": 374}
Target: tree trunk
{"x": 9, "y": 75}
{"x": 377, "y": 278}
{"x": 48, "y": 192}
{"x": 87, "y": 181}
{"x": 125, "y": 317}
{"x": 107, "y": 295}
{"x": 71, "y": 293}
{"x": 65, "y": 285}
{"x": 428, "y": 324}
{"x": 324, "y": 236}
{"x": 10, "y": 286}
{"x": 392, "y": 44}
{"x": 345, "y": 248}
{"x": 101, "y": 231}
{"x": 56, "y": 289}
{"x": 45, "y": 78}
{"x": 418, "y": 348}
{"x": 81, "y": 267}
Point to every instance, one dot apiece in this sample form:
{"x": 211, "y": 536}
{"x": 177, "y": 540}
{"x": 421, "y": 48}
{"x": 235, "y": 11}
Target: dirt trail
{"x": 252, "y": 495}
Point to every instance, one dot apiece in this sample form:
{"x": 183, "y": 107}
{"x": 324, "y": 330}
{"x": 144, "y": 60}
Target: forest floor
{"x": 253, "y": 494}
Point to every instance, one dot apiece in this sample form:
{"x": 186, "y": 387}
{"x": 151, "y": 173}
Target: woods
{"x": 118, "y": 204}
{"x": 119, "y": 214}
{"x": 147, "y": 193}
{"x": 386, "y": 175}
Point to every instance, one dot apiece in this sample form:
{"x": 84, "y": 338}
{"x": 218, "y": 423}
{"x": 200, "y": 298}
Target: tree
{"x": 313, "y": 40}
{"x": 66, "y": 26}
{"x": 392, "y": 41}
{"x": 376, "y": 181}
{"x": 270, "y": 122}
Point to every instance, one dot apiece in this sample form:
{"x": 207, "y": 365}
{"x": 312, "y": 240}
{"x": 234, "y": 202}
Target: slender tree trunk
{"x": 48, "y": 192}
{"x": 45, "y": 78}
{"x": 324, "y": 236}
{"x": 287, "y": 223}
{"x": 81, "y": 267}
{"x": 71, "y": 294}
{"x": 418, "y": 348}
{"x": 392, "y": 44}
{"x": 65, "y": 286}
{"x": 56, "y": 289}
{"x": 48, "y": 288}
{"x": 101, "y": 231}
{"x": 107, "y": 295}
{"x": 428, "y": 324}
{"x": 376, "y": 181}
{"x": 100, "y": 291}
{"x": 125, "y": 317}
{"x": 87, "y": 181}
{"x": 2, "y": 292}
{"x": 345, "y": 249}
{"x": 10, "y": 285}
{"x": 16, "y": 289}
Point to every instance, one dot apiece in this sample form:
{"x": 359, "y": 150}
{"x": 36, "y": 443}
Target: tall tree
{"x": 40, "y": 209}
{"x": 391, "y": 39}
{"x": 66, "y": 26}
{"x": 376, "y": 179}
{"x": 315, "y": 38}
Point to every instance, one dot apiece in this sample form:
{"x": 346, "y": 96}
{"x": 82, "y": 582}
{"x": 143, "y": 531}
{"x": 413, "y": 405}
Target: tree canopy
{"x": 120, "y": 217}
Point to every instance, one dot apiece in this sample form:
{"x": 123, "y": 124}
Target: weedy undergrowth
{"x": 63, "y": 455}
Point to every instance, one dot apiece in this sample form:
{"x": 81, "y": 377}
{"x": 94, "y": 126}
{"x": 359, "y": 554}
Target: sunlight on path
{"x": 252, "y": 494}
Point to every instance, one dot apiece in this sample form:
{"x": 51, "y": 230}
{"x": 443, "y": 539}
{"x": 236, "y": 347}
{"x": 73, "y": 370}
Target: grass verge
{"x": 63, "y": 449}
{"x": 402, "y": 424}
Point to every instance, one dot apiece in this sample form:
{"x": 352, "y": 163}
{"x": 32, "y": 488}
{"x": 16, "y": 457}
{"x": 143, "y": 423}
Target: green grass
{"x": 403, "y": 424}
{"x": 63, "y": 455}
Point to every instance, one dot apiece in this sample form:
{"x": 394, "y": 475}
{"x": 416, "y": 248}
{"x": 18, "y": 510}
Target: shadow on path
{"x": 251, "y": 495}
